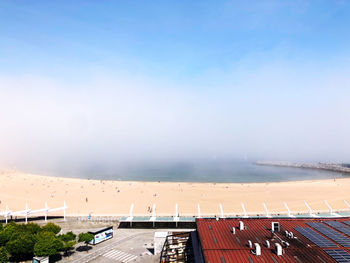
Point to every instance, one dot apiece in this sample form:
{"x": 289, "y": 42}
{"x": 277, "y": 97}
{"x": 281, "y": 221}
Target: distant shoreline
{"x": 333, "y": 167}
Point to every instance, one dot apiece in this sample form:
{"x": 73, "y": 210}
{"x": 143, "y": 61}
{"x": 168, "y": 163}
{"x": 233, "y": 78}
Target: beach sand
{"x": 84, "y": 196}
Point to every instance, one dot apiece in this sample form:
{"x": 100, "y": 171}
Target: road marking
{"x": 119, "y": 255}
{"x": 102, "y": 250}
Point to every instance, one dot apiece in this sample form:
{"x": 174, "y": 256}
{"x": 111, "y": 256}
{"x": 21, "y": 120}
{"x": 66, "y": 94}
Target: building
{"x": 40, "y": 260}
{"x": 102, "y": 235}
{"x": 280, "y": 240}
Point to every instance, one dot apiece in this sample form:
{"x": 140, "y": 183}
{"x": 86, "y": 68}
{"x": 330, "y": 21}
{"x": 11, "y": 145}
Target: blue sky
{"x": 175, "y": 79}
{"x": 178, "y": 40}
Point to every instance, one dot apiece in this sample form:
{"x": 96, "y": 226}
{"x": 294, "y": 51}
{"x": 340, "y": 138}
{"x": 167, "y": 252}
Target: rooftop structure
{"x": 274, "y": 240}
{"x": 177, "y": 248}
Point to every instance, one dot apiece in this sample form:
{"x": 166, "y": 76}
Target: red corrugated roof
{"x": 220, "y": 245}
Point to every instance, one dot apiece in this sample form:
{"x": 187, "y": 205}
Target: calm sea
{"x": 201, "y": 171}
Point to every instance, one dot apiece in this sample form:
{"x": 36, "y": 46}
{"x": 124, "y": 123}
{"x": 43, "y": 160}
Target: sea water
{"x": 219, "y": 171}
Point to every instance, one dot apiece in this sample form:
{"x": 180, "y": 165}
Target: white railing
{"x": 244, "y": 213}
{"x": 27, "y": 212}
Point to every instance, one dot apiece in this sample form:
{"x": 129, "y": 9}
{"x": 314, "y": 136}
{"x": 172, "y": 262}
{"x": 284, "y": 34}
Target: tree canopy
{"x": 21, "y": 246}
{"x": 68, "y": 246}
{"x": 69, "y": 236}
{"x": 85, "y": 237}
{"x": 8, "y": 232}
{"x": 69, "y": 241}
{"x": 20, "y": 242}
{"x": 51, "y": 227}
{"x": 4, "y": 257}
{"x": 47, "y": 244}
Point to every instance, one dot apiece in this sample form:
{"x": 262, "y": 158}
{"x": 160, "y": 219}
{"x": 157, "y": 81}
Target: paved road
{"x": 118, "y": 255}
{"x": 112, "y": 244}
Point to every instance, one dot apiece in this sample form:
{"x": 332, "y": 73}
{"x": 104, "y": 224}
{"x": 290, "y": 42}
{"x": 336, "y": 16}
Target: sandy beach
{"x": 84, "y": 196}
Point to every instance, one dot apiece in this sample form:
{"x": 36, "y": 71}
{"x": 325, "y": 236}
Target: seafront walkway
{"x": 155, "y": 216}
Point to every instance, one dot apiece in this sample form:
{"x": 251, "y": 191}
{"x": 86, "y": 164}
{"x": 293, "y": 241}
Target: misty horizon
{"x": 153, "y": 93}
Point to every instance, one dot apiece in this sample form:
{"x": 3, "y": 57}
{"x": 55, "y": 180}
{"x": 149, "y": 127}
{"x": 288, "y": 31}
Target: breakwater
{"x": 334, "y": 167}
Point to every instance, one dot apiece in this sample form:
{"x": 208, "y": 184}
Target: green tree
{"x": 51, "y": 227}
{"x": 4, "y": 238}
{"x": 47, "y": 244}
{"x": 4, "y": 256}
{"x": 32, "y": 228}
{"x": 69, "y": 241}
{"x": 68, "y": 246}
{"x": 86, "y": 238}
{"x": 8, "y": 232}
{"x": 21, "y": 247}
{"x": 69, "y": 236}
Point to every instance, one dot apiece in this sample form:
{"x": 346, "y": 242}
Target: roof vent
{"x": 278, "y": 249}
{"x": 268, "y": 244}
{"x": 257, "y": 250}
{"x": 275, "y": 226}
{"x": 232, "y": 230}
{"x": 291, "y": 235}
{"x": 241, "y": 225}
{"x": 250, "y": 244}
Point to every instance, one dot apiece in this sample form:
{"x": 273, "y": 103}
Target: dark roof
{"x": 100, "y": 230}
{"x": 220, "y": 245}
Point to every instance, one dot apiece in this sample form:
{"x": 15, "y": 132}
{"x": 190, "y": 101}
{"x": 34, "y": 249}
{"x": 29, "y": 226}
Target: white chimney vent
{"x": 257, "y": 250}
{"x": 250, "y": 244}
{"x": 278, "y": 249}
{"x": 241, "y": 225}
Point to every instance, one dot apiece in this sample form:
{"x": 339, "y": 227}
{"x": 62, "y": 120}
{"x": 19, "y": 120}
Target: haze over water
{"x": 220, "y": 171}
{"x": 95, "y": 88}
